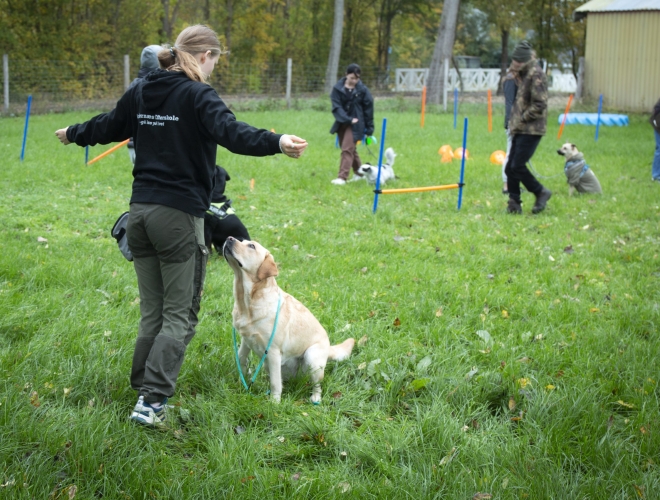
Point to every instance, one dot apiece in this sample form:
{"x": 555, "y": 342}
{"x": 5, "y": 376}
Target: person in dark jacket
{"x": 177, "y": 122}
{"x": 353, "y": 109}
{"x": 527, "y": 125}
{"x": 148, "y": 63}
{"x": 655, "y": 121}
{"x": 510, "y": 89}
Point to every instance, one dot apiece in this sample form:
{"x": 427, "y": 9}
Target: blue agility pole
{"x": 27, "y": 120}
{"x": 86, "y": 154}
{"x": 600, "y": 108}
{"x": 380, "y": 164}
{"x": 455, "y": 106}
{"x": 460, "y": 182}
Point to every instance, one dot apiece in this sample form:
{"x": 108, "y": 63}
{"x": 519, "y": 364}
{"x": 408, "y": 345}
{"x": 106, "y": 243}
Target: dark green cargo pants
{"x": 170, "y": 262}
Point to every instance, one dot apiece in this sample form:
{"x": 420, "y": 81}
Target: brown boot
{"x": 513, "y": 207}
{"x": 541, "y": 200}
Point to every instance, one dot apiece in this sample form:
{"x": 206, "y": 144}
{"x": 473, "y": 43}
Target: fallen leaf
{"x": 73, "y": 489}
{"x": 524, "y": 359}
{"x": 523, "y": 382}
{"x": 639, "y": 490}
{"x": 505, "y": 314}
{"x": 344, "y": 487}
{"x": 594, "y": 310}
{"x": 281, "y": 439}
{"x": 551, "y": 258}
{"x": 512, "y": 403}
{"x": 471, "y": 373}
{"x": 362, "y": 341}
{"x": 362, "y": 366}
{"x": 34, "y": 399}
{"x": 419, "y": 383}
{"x": 482, "y": 496}
{"x": 399, "y": 238}
{"x": 447, "y": 458}
{"x": 490, "y": 276}
{"x": 568, "y": 249}
{"x": 626, "y": 405}
{"x": 424, "y": 363}
{"x": 248, "y": 478}
{"x": 550, "y": 387}
{"x": 485, "y": 336}
{"x": 438, "y": 312}
{"x": 643, "y": 430}
{"x": 335, "y": 395}
{"x": 364, "y": 270}
{"x": 41, "y": 240}
{"x": 397, "y": 322}
{"x": 295, "y": 476}
{"x": 239, "y": 429}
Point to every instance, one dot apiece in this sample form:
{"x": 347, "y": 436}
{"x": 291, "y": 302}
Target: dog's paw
{"x": 276, "y": 398}
{"x": 315, "y": 399}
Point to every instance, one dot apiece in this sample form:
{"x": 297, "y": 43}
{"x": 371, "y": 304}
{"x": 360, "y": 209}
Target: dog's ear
{"x": 573, "y": 146}
{"x": 267, "y": 269}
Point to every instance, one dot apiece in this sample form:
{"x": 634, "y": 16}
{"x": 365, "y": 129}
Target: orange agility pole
{"x": 423, "y": 103}
{"x": 563, "y": 122}
{"x": 420, "y": 189}
{"x": 106, "y": 153}
{"x": 490, "y": 112}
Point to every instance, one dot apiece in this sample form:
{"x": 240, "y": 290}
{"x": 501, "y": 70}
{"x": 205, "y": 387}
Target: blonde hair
{"x": 193, "y": 40}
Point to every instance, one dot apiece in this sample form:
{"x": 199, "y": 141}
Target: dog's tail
{"x": 341, "y": 351}
{"x": 389, "y": 156}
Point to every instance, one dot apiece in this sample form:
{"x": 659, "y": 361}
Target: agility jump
{"x": 444, "y": 187}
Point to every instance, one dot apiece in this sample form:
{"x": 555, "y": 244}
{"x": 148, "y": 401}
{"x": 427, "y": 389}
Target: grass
{"x": 514, "y": 356}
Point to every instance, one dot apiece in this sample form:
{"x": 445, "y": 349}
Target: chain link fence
{"x": 96, "y": 85}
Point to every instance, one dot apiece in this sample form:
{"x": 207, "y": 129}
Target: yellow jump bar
{"x": 419, "y": 189}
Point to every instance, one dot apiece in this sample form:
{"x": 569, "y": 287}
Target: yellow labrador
{"x": 299, "y": 340}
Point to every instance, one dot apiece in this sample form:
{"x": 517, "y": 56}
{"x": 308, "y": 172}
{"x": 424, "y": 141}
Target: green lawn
{"x": 515, "y": 356}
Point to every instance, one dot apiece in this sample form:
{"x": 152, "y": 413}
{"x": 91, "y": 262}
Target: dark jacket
{"x": 655, "y": 116}
{"x": 529, "y": 114}
{"x": 348, "y": 105}
{"x": 177, "y": 124}
{"x": 510, "y": 89}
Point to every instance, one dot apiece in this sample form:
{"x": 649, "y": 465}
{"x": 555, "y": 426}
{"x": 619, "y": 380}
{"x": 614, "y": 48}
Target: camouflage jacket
{"x": 530, "y": 109}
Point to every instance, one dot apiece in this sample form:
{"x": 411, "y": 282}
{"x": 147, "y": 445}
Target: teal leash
{"x": 263, "y": 358}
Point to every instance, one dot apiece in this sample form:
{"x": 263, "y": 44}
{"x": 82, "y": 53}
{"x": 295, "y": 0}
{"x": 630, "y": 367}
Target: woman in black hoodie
{"x": 176, "y": 121}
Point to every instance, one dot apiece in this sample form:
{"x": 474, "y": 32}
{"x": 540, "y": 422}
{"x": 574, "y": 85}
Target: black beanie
{"x": 522, "y": 52}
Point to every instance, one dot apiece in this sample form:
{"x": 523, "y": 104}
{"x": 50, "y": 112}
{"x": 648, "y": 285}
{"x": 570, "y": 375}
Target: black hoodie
{"x": 177, "y": 124}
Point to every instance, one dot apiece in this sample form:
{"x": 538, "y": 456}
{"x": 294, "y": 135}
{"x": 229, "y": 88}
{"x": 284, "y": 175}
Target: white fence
{"x": 474, "y": 80}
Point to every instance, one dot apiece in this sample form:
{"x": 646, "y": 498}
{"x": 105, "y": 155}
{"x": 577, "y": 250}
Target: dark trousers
{"x": 522, "y": 150}
{"x": 349, "y": 155}
{"x": 170, "y": 262}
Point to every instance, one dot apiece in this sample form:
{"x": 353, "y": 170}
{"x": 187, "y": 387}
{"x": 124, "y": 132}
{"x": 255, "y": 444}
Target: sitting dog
{"x": 579, "y": 176}
{"x": 220, "y": 220}
{"x": 370, "y": 172}
{"x": 299, "y": 341}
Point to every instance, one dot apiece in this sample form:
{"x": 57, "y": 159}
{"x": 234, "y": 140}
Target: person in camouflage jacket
{"x": 527, "y": 124}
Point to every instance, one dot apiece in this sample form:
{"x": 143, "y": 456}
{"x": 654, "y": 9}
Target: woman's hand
{"x": 292, "y": 146}
{"x": 61, "y": 135}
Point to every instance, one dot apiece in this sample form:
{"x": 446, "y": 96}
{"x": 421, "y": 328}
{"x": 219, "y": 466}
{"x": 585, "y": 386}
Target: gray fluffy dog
{"x": 579, "y": 176}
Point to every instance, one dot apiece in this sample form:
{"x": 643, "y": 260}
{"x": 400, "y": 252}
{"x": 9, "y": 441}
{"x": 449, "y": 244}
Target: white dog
{"x": 579, "y": 176}
{"x": 298, "y": 339}
{"x": 370, "y": 172}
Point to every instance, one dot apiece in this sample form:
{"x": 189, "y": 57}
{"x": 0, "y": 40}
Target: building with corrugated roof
{"x": 622, "y": 56}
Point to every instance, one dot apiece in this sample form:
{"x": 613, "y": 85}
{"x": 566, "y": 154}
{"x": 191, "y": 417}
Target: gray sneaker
{"x": 146, "y": 414}
{"x": 541, "y": 200}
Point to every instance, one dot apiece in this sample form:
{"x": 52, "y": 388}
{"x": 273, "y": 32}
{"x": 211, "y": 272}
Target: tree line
{"x": 382, "y": 34}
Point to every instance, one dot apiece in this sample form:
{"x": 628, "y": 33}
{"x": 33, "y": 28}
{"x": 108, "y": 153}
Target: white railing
{"x": 474, "y": 80}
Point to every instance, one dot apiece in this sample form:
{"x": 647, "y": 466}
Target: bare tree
{"x": 444, "y": 46}
{"x": 168, "y": 21}
{"x": 335, "y": 46}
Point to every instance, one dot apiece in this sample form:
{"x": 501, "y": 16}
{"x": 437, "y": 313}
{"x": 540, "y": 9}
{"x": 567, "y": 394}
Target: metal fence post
{"x": 5, "y": 71}
{"x": 446, "y": 84}
{"x": 127, "y": 72}
{"x": 288, "y": 83}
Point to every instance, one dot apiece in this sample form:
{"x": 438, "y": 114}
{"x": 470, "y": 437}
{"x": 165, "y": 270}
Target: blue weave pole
{"x": 27, "y": 120}
{"x": 455, "y": 106}
{"x": 86, "y": 154}
{"x": 600, "y": 108}
{"x": 380, "y": 164}
{"x": 460, "y": 182}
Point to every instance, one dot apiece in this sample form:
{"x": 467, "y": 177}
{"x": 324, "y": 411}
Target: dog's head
{"x": 369, "y": 172}
{"x": 250, "y": 259}
{"x": 568, "y": 151}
